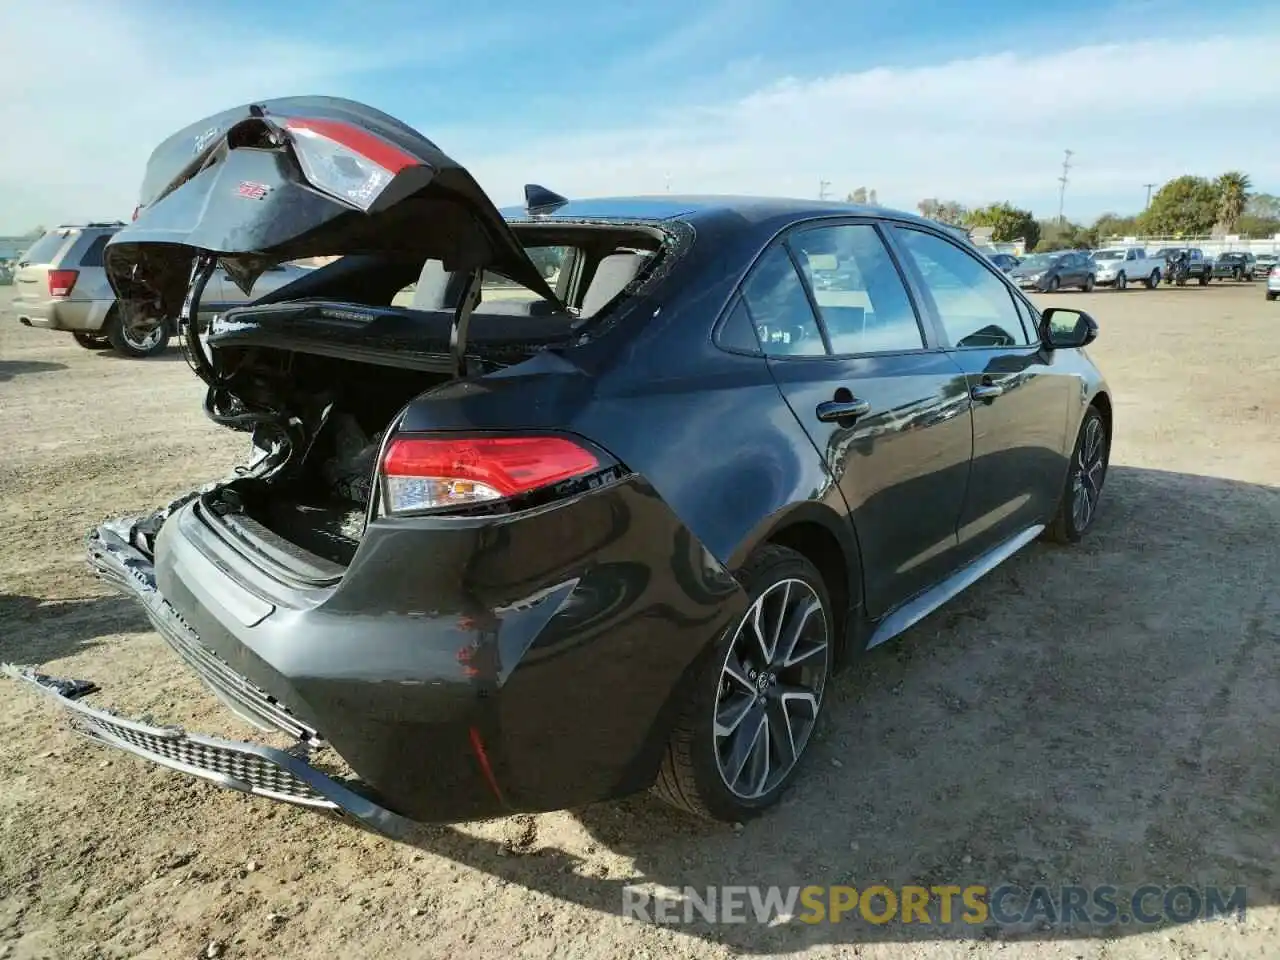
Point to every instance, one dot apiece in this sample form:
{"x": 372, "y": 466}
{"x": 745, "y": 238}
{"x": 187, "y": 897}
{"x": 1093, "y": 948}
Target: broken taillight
{"x": 61, "y": 282}
{"x": 345, "y": 161}
{"x": 429, "y": 473}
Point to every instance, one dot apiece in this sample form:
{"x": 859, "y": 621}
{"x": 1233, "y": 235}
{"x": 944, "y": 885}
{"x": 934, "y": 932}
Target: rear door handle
{"x": 986, "y": 391}
{"x": 830, "y": 411}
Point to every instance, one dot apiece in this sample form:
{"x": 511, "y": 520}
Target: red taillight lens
{"x": 61, "y": 282}
{"x": 424, "y": 473}
{"x": 345, "y": 161}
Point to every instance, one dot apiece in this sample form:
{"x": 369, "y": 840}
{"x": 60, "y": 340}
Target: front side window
{"x": 860, "y": 295}
{"x": 779, "y": 308}
{"x": 974, "y": 305}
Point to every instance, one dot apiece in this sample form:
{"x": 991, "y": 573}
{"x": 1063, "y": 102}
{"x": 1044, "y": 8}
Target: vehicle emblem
{"x": 205, "y": 139}
{"x": 252, "y": 191}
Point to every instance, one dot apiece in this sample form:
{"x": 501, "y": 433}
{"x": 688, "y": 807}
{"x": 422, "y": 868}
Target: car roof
{"x": 698, "y": 207}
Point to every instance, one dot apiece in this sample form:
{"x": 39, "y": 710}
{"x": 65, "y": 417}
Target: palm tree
{"x": 1233, "y": 193}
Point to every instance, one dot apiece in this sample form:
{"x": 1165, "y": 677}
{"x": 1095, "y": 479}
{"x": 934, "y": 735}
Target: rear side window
{"x": 779, "y": 308}
{"x": 975, "y": 306}
{"x": 45, "y": 249}
{"x": 860, "y": 295}
{"x": 93, "y": 256}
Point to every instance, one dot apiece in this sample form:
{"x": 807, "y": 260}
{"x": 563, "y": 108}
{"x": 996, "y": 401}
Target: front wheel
{"x": 1053, "y": 285}
{"x": 1088, "y": 283}
{"x": 91, "y": 342}
{"x": 1085, "y": 478}
{"x": 740, "y": 739}
{"x": 1153, "y": 281}
{"x": 137, "y": 336}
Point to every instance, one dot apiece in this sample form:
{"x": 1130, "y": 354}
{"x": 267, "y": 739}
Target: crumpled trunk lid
{"x": 255, "y": 186}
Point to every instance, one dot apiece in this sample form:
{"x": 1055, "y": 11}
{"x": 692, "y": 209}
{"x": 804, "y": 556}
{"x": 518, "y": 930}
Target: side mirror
{"x": 1063, "y": 329}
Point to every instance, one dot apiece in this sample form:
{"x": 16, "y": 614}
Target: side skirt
{"x": 922, "y": 604}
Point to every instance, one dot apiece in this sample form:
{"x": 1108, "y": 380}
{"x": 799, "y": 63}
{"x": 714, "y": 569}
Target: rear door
{"x": 885, "y": 407}
{"x": 1021, "y": 395}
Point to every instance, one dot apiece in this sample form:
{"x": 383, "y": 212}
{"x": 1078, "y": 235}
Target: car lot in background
{"x": 1263, "y": 264}
{"x": 1005, "y": 261}
{"x": 1120, "y": 266}
{"x": 1149, "y": 691}
{"x": 1199, "y": 267}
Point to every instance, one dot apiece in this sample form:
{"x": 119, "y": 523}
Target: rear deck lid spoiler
{"x": 301, "y": 177}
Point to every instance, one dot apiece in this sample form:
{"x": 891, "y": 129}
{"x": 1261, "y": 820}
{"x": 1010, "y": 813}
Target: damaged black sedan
{"x": 558, "y": 505}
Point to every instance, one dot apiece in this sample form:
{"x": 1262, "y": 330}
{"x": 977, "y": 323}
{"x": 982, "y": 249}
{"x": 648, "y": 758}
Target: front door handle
{"x": 986, "y": 391}
{"x": 829, "y": 411}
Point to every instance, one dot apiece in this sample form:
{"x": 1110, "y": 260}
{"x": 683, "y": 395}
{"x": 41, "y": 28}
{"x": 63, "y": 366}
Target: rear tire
{"x": 1053, "y": 285}
{"x": 1121, "y": 282}
{"x": 91, "y": 342}
{"x": 1153, "y": 281}
{"x": 1088, "y": 284}
{"x": 725, "y": 760}
{"x": 1085, "y": 479}
{"x": 134, "y": 339}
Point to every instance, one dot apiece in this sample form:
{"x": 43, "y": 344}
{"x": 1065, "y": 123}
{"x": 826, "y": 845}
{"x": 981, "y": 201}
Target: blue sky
{"x": 974, "y": 102}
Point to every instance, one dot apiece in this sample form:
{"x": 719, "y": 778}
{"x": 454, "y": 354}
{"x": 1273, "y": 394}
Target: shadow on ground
{"x": 1099, "y": 715}
{"x": 33, "y": 631}
{"x": 13, "y": 368}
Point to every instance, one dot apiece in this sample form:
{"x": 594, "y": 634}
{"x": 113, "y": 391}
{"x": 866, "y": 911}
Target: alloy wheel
{"x": 143, "y": 335}
{"x": 1090, "y": 470}
{"x": 771, "y": 686}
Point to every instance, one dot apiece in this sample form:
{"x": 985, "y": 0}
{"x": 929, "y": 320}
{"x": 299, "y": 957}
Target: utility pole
{"x": 823, "y": 186}
{"x": 668, "y": 183}
{"x": 1062, "y": 191}
{"x": 1148, "y": 186}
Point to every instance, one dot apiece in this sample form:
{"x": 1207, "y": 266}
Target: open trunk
{"x": 319, "y": 371}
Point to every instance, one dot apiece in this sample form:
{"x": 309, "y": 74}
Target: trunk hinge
{"x": 462, "y": 323}
{"x": 202, "y": 267}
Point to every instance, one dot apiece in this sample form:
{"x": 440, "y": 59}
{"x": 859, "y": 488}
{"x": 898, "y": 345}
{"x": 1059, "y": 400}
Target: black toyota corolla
{"x": 560, "y": 505}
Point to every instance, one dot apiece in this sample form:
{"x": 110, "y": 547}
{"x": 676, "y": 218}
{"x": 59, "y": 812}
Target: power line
{"x": 1062, "y": 191}
{"x": 1148, "y": 186}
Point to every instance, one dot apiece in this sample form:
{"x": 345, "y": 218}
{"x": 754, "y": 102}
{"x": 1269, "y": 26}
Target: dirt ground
{"x": 1107, "y": 714}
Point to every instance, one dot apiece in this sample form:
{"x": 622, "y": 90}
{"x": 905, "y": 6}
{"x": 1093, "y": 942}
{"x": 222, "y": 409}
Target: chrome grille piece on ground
{"x": 246, "y": 767}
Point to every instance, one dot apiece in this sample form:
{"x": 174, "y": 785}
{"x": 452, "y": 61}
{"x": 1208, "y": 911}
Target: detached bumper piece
{"x": 252, "y": 768}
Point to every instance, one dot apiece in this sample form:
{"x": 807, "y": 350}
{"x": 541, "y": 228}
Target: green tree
{"x": 1264, "y": 206}
{"x": 944, "y": 211}
{"x": 1066, "y": 236}
{"x": 1007, "y": 223}
{"x": 1114, "y": 225}
{"x": 1186, "y": 205}
{"x": 1233, "y": 193}
{"x": 858, "y": 196}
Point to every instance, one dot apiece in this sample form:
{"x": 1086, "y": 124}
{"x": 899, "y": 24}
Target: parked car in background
{"x": 61, "y": 285}
{"x": 1005, "y": 261}
{"x": 1120, "y": 266}
{"x": 1233, "y": 266}
{"x": 6, "y": 272}
{"x": 1273, "y": 283}
{"x": 1199, "y": 267}
{"x": 540, "y": 593}
{"x": 1264, "y": 263}
{"x": 1048, "y": 272}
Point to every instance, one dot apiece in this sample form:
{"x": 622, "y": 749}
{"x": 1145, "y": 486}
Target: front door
{"x": 1021, "y": 400}
{"x": 885, "y": 408}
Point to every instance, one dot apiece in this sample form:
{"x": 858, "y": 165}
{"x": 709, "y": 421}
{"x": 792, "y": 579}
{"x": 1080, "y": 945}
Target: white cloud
{"x": 79, "y": 125}
{"x": 988, "y": 128}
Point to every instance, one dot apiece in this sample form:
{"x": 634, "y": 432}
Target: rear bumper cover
{"x": 455, "y": 679}
{"x": 73, "y": 316}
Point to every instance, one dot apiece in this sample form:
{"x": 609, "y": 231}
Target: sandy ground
{"x": 1108, "y": 714}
